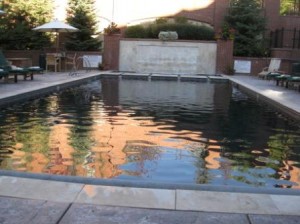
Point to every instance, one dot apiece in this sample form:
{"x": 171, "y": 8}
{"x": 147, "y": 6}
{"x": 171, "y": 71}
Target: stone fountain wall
{"x": 168, "y": 57}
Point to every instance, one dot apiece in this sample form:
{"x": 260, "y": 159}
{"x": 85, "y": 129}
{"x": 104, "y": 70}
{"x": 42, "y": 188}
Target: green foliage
{"x": 137, "y": 31}
{"x": 112, "y": 29}
{"x": 81, "y": 14}
{"x": 79, "y": 140}
{"x": 185, "y": 31}
{"x": 180, "y": 19}
{"x": 35, "y": 139}
{"x": 282, "y": 145}
{"x": 226, "y": 32}
{"x": 20, "y": 18}
{"x": 246, "y": 18}
{"x": 290, "y": 7}
{"x": 161, "y": 20}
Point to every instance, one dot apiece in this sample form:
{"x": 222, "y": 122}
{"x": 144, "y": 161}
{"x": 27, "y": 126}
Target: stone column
{"x": 224, "y": 56}
{"x": 111, "y": 51}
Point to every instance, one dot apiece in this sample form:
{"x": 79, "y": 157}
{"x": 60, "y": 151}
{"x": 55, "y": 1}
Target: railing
{"x": 285, "y": 38}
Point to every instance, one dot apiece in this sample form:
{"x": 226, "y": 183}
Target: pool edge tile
{"x": 55, "y": 191}
{"x": 287, "y": 204}
{"x": 228, "y": 202}
{"x": 127, "y": 196}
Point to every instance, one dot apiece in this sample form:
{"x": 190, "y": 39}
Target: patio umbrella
{"x": 57, "y": 27}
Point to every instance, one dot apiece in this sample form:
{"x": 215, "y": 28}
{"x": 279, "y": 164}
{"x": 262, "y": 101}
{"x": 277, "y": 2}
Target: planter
{"x": 167, "y": 35}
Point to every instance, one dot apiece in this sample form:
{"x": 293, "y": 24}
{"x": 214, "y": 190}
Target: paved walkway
{"x": 33, "y": 200}
{"x": 42, "y": 84}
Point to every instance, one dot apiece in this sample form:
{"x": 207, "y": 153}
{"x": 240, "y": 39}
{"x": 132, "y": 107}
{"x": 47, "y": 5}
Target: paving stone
{"x": 49, "y": 212}
{"x": 274, "y": 219}
{"x": 14, "y": 210}
{"x": 85, "y": 213}
{"x": 221, "y": 218}
{"x": 22, "y": 211}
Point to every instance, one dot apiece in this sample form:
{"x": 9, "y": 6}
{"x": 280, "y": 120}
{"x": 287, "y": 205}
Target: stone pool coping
{"x": 149, "y": 184}
{"x": 149, "y": 198}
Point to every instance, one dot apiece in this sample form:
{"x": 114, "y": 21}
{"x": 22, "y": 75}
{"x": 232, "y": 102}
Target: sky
{"x": 125, "y": 12}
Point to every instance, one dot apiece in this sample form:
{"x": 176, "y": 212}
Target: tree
{"x": 246, "y": 18}
{"x": 81, "y": 14}
{"x": 290, "y": 7}
{"x": 20, "y": 18}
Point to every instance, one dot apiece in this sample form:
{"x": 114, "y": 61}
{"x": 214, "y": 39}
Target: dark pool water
{"x": 158, "y": 131}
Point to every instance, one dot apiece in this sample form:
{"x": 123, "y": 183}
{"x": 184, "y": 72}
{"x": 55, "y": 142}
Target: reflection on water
{"x": 153, "y": 131}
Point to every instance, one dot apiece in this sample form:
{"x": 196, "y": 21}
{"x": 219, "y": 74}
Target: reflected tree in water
{"x": 284, "y": 149}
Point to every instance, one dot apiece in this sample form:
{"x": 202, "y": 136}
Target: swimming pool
{"x": 156, "y": 131}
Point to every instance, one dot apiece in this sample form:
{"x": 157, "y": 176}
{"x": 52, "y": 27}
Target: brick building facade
{"x": 287, "y": 29}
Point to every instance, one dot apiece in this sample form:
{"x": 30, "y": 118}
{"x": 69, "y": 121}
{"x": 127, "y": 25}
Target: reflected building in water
{"x": 134, "y": 122}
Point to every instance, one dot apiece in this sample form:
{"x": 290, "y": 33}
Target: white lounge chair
{"x": 273, "y": 68}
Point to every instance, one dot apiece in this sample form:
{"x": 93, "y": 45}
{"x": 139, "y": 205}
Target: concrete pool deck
{"x": 37, "y": 200}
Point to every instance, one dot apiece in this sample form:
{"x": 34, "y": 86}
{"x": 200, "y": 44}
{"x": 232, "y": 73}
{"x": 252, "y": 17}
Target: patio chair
{"x": 9, "y": 69}
{"x": 273, "y": 68}
{"x": 71, "y": 62}
{"x": 76, "y": 62}
{"x": 53, "y": 60}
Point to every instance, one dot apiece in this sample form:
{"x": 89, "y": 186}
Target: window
{"x": 290, "y": 7}
{"x": 234, "y": 2}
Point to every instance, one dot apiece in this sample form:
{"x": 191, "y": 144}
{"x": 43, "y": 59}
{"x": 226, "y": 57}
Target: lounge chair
{"x": 273, "y": 68}
{"x": 8, "y": 69}
{"x": 294, "y": 79}
{"x": 3, "y": 74}
{"x": 291, "y": 79}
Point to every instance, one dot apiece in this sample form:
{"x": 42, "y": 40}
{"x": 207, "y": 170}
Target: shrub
{"x": 161, "y": 20}
{"x": 185, "y": 31}
{"x": 112, "y": 29}
{"x": 181, "y": 19}
{"x": 137, "y": 31}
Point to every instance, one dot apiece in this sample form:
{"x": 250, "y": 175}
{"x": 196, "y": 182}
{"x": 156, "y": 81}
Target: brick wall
{"x": 271, "y": 10}
{"x": 257, "y": 64}
{"x": 37, "y": 55}
{"x": 224, "y": 56}
{"x": 221, "y": 8}
{"x": 111, "y": 51}
{"x": 214, "y": 15}
{"x": 288, "y": 56}
{"x": 205, "y": 15}
{"x": 112, "y": 45}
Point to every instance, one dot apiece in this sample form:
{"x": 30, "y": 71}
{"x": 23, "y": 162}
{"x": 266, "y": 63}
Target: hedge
{"x": 185, "y": 31}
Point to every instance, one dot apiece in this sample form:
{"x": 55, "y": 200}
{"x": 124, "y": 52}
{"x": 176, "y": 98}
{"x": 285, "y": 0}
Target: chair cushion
{"x": 273, "y": 75}
{"x": 35, "y": 69}
{"x": 282, "y": 77}
{"x": 294, "y": 79}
